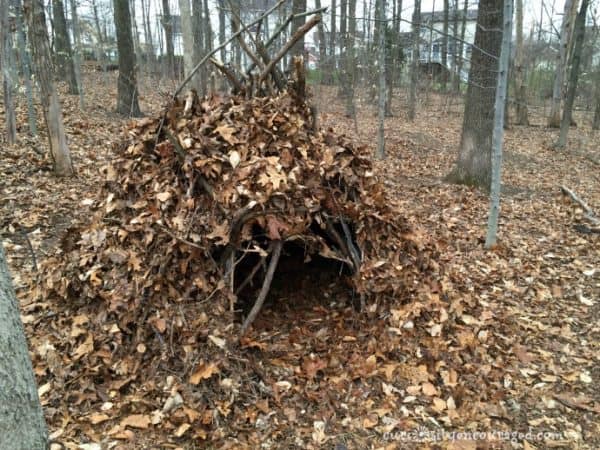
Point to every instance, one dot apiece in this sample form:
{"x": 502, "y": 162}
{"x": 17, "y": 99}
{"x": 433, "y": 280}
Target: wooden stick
{"x": 223, "y": 45}
{"x": 295, "y": 38}
{"x": 284, "y": 25}
{"x": 264, "y": 290}
{"x": 590, "y": 215}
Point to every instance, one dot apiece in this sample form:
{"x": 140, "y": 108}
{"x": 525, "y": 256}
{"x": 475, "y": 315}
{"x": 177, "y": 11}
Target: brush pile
{"x": 195, "y": 206}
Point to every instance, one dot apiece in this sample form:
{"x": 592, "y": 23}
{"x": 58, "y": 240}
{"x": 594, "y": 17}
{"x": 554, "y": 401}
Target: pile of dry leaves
{"x": 140, "y": 304}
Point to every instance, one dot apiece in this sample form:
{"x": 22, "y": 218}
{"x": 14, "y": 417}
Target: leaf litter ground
{"x": 507, "y": 342}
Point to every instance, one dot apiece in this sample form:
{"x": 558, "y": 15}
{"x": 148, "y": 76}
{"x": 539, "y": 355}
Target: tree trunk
{"x": 167, "y": 23}
{"x": 459, "y": 46}
{"x": 350, "y": 59}
{"x": 445, "y": 46}
{"x": 343, "y": 38}
{"x": 26, "y": 65}
{"x": 414, "y": 67}
{"x": 127, "y": 93}
{"x": 222, "y": 28}
{"x": 77, "y": 51}
{"x": 381, "y": 109}
{"x": 100, "y": 50}
{"x": 473, "y": 166}
{"x": 498, "y": 133}
{"x": 561, "y": 62}
{"x": 332, "y": 42}
{"x": 298, "y": 7}
{"x": 6, "y": 64}
{"x": 22, "y": 425}
{"x": 520, "y": 70}
{"x": 44, "y": 71}
{"x": 199, "y": 47}
{"x": 579, "y": 31}
{"x": 62, "y": 43}
{"x": 322, "y": 43}
{"x": 187, "y": 38}
{"x": 148, "y": 42}
{"x": 208, "y": 33}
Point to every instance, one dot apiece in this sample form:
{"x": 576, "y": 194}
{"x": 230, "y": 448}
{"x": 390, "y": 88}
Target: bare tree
{"x": 77, "y": 50}
{"x": 579, "y": 35}
{"x": 38, "y": 35}
{"x": 6, "y": 64}
{"x": 520, "y": 69}
{"x": 381, "y": 109}
{"x": 414, "y": 67}
{"x": 167, "y": 23}
{"x": 26, "y": 66}
{"x": 562, "y": 59}
{"x": 187, "y": 36}
{"x": 473, "y": 165}
{"x": 62, "y": 44}
{"x": 127, "y": 93}
{"x": 298, "y": 7}
{"x": 498, "y": 133}
{"x": 445, "y": 46}
{"x": 22, "y": 425}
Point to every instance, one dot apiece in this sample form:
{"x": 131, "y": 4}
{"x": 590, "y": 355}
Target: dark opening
{"x": 301, "y": 281}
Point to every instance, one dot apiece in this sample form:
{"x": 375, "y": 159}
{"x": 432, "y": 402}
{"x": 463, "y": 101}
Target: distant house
{"x": 432, "y": 38}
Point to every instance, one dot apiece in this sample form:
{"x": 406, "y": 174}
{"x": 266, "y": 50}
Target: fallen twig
{"x": 264, "y": 290}
{"x": 589, "y": 212}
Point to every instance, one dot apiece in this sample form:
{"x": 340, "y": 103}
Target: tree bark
{"x": 222, "y": 28}
{"x": 445, "y": 46}
{"x": 6, "y": 64}
{"x": 26, "y": 65}
{"x": 44, "y": 71}
{"x": 77, "y": 51}
{"x": 62, "y": 44}
{"x": 187, "y": 37}
{"x": 298, "y": 7}
{"x": 127, "y": 93}
{"x": 414, "y": 67}
{"x": 322, "y": 43}
{"x": 332, "y": 41}
{"x": 459, "y": 46}
{"x": 200, "y": 78}
{"x": 561, "y": 62}
{"x": 579, "y": 35}
{"x": 22, "y": 425}
{"x": 381, "y": 109}
{"x": 167, "y": 23}
{"x": 350, "y": 59}
{"x": 520, "y": 69}
{"x": 100, "y": 50}
{"x": 498, "y": 133}
{"x": 473, "y": 166}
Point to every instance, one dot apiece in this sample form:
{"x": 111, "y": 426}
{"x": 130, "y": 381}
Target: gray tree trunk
{"x": 188, "y": 38}
{"x": 222, "y": 28}
{"x": 459, "y": 46}
{"x": 44, "y": 71}
{"x": 574, "y": 74}
{"x": 381, "y": 129}
{"x": 167, "y": 23}
{"x": 22, "y": 425}
{"x": 561, "y": 62}
{"x": 473, "y": 165}
{"x": 414, "y": 67}
{"x": 62, "y": 44}
{"x": 6, "y": 64}
{"x": 298, "y": 7}
{"x": 26, "y": 65}
{"x": 77, "y": 51}
{"x": 445, "y": 46}
{"x": 520, "y": 70}
{"x": 322, "y": 43}
{"x": 350, "y": 59}
{"x": 498, "y": 133}
{"x": 127, "y": 92}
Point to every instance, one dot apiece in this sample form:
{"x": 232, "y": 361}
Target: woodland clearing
{"x": 508, "y": 342}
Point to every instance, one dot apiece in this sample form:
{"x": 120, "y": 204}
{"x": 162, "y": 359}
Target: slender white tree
{"x": 498, "y": 132}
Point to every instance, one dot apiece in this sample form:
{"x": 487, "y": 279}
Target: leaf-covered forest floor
{"x": 521, "y": 353}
